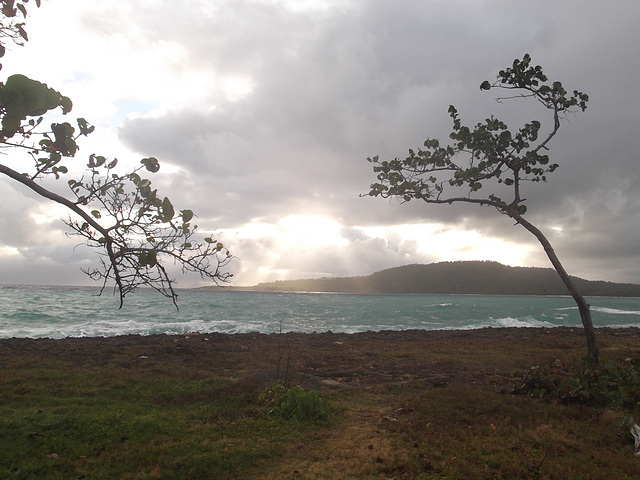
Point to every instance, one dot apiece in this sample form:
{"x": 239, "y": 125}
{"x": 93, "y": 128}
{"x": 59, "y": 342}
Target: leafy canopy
{"x": 134, "y": 229}
{"x": 487, "y": 154}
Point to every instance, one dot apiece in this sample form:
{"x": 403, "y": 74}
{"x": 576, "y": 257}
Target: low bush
{"x": 295, "y": 403}
{"x": 615, "y": 383}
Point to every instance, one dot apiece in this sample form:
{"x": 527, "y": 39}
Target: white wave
{"x": 614, "y": 311}
{"x": 624, "y": 325}
{"x": 607, "y": 310}
{"x": 517, "y": 322}
{"x": 112, "y": 328}
{"x": 505, "y": 322}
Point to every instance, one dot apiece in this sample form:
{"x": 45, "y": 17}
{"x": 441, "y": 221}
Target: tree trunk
{"x": 583, "y": 306}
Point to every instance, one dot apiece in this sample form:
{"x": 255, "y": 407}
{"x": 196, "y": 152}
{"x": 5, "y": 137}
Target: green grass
{"x": 163, "y": 419}
{"x": 97, "y": 423}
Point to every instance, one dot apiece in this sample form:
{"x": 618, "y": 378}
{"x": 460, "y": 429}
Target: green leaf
{"x": 57, "y": 170}
{"x": 96, "y": 161}
{"x": 208, "y": 240}
{"x": 485, "y": 85}
{"x": 167, "y": 210}
{"x": 22, "y": 97}
{"x": 187, "y": 215}
{"x": 151, "y": 164}
{"x": 66, "y": 104}
{"x": 96, "y": 213}
{"x": 85, "y": 128}
{"x": 64, "y": 142}
{"x": 135, "y": 178}
{"x": 148, "y": 258}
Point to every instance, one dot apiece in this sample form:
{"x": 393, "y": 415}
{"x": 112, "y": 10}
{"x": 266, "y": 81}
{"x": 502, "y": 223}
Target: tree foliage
{"x": 488, "y": 153}
{"x": 135, "y": 230}
{"x": 489, "y": 163}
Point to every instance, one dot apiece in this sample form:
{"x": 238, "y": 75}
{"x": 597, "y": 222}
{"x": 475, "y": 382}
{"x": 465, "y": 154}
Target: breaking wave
{"x": 58, "y": 312}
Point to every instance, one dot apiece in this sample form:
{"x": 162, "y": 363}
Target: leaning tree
{"x": 492, "y": 158}
{"x": 135, "y": 230}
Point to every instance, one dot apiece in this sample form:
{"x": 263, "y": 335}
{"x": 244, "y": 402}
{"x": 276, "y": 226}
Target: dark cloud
{"x": 332, "y": 86}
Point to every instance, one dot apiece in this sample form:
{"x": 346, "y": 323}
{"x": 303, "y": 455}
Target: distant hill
{"x": 475, "y": 277}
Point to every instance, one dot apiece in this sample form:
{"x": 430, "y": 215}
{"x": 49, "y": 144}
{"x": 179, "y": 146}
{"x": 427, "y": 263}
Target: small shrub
{"x": 613, "y": 383}
{"x": 294, "y": 403}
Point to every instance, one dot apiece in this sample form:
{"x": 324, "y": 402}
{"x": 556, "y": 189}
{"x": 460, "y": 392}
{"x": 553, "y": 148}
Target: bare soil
{"x": 487, "y": 358}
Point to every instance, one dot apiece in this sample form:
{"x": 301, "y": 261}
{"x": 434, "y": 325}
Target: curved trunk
{"x": 583, "y": 306}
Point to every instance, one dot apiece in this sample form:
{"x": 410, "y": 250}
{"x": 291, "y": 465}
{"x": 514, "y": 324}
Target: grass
{"x": 168, "y": 420}
{"x": 58, "y": 421}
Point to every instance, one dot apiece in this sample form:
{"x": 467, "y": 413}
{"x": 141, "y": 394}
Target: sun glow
{"x": 310, "y": 5}
{"x": 6, "y": 251}
{"x": 444, "y": 244}
{"x": 312, "y": 245}
{"x": 236, "y": 88}
{"x": 293, "y": 230}
{"x": 281, "y": 244}
{"x": 311, "y": 231}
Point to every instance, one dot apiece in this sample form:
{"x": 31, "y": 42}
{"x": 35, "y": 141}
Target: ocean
{"x": 58, "y": 312}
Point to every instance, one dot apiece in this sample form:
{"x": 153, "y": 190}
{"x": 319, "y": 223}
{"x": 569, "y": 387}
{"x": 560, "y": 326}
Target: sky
{"x": 262, "y": 114}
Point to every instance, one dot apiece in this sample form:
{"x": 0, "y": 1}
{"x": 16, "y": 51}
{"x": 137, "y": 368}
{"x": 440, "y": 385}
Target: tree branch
{"x": 43, "y": 192}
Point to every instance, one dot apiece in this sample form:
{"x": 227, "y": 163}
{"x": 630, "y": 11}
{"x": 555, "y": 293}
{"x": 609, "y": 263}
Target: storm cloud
{"x": 263, "y": 114}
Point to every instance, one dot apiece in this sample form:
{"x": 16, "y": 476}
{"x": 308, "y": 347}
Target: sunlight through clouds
{"x": 310, "y": 231}
{"x": 303, "y": 230}
{"x": 307, "y": 5}
{"x": 8, "y": 252}
{"x": 309, "y": 246}
{"x": 262, "y": 114}
{"x": 236, "y": 88}
{"x": 447, "y": 244}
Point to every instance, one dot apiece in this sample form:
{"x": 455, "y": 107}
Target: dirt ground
{"x": 486, "y": 358}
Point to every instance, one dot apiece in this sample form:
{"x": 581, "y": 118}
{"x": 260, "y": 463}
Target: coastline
{"x": 402, "y": 404}
{"x": 486, "y": 357}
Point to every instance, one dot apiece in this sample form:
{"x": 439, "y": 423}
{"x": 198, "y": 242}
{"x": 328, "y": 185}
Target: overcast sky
{"x": 263, "y": 113}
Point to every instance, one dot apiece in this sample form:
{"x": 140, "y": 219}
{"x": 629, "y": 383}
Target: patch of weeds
{"x": 459, "y": 432}
{"x": 295, "y": 403}
{"x": 614, "y": 383}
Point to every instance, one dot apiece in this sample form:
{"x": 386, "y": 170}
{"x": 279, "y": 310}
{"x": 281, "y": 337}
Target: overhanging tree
{"x": 492, "y": 158}
{"x": 135, "y": 230}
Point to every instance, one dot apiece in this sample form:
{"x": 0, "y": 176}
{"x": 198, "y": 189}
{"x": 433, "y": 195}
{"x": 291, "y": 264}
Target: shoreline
{"x": 395, "y": 397}
{"x": 454, "y": 332}
{"x": 486, "y": 357}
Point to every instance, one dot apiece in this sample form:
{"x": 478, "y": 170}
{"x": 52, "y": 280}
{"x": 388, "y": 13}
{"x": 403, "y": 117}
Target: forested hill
{"x": 476, "y": 277}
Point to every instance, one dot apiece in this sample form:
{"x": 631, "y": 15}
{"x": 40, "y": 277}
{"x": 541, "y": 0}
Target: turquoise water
{"x": 58, "y": 312}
